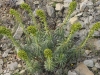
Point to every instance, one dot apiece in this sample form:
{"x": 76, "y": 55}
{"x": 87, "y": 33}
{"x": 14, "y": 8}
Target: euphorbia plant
{"x": 46, "y": 50}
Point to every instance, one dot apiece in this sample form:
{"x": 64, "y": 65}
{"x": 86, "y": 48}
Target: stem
{"x": 15, "y": 43}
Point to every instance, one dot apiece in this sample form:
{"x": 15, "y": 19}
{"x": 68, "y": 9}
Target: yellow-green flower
{"x": 5, "y": 31}
{"x": 16, "y": 14}
{"x": 31, "y": 29}
{"x": 22, "y": 55}
{"x": 48, "y": 53}
{"x": 41, "y": 14}
{"x": 26, "y": 7}
{"x": 75, "y": 27}
{"x": 72, "y": 6}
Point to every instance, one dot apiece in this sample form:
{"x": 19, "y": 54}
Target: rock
{"x": 89, "y": 63}
{"x": 1, "y": 62}
{"x": 57, "y": 0}
{"x": 19, "y": 2}
{"x": 96, "y": 34}
{"x": 97, "y": 65}
{"x": 1, "y": 69}
{"x": 18, "y": 33}
{"x": 87, "y": 52}
{"x": 7, "y": 74}
{"x": 36, "y": 2}
{"x": 85, "y": 4}
{"x": 59, "y": 6}
{"x": 22, "y": 72}
{"x": 97, "y": 44}
{"x": 12, "y": 65}
{"x": 67, "y": 3}
{"x": 19, "y": 65}
{"x": 5, "y": 54}
{"x": 72, "y": 73}
{"x": 94, "y": 69}
{"x": 82, "y": 6}
{"x": 97, "y": 3}
{"x": 82, "y": 69}
{"x": 50, "y": 11}
{"x": 73, "y": 19}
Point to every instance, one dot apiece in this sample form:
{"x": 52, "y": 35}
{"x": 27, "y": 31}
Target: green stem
{"x": 15, "y": 43}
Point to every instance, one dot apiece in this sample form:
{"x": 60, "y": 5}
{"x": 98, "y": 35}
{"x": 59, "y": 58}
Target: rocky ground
{"x": 87, "y": 13}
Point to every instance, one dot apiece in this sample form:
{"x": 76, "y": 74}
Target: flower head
{"x": 31, "y": 29}
{"x": 26, "y": 7}
{"x": 16, "y": 14}
{"x": 41, "y": 14}
{"x": 94, "y": 28}
{"x": 48, "y": 53}
{"x": 22, "y": 54}
{"x": 5, "y": 31}
{"x": 75, "y": 27}
{"x": 72, "y": 6}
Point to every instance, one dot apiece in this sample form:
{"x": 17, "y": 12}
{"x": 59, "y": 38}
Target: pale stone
{"x": 88, "y": 52}
{"x": 59, "y": 6}
{"x": 50, "y": 11}
{"x": 5, "y": 54}
{"x": 1, "y": 69}
{"x": 89, "y": 63}
{"x": 97, "y": 65}
{"x": 97, "y": 44}
{"x": 73, "y": 19}
{"x": 19, "y": 2}
{"x": 82, "y": 69}
{"x": 22, "y": 71}
{"x": 72, "y": 73}
{"x": 18, "y": 33}
{"x": 57, "y": 0}
{"x": 67, "y": 3}
{"x": 12, "y": 65}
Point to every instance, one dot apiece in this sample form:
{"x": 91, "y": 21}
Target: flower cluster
{"x": 26, "y": 7}
{"x": 31, "y": 29}
{"x": 94, "y": 28}
{"x": 75, "y": 27}
{"x": 41, "y": 14}
{"x": 72, "y": 6}
{"x": 48, "y": 53}
{"x": 22, "y": 54}
{"x": 5, "y": 31}
{"x": 16, "y": 14}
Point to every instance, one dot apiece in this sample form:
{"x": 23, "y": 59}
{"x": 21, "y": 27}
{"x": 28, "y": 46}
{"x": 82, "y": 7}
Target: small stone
{"x": 67, "y": 3}
{"x": 94, "y": 69}
{"x": 97, "y": 44}
{"x": 50, "y": 11}
{"x": 82, "y": 69}
{"x": 82, "y": 6}
{"x": 73, "y": 19}
{"x": 22, "y": 72}
{"x": 97, "y": 65}
{"x": 36, "y": 2}
{"x": 72, "y": 73}
{"x": 12, "y": 65}
{"x": 1, "y": 62}
{"x": 5, "y": 54}
{"x": 88, "y": 52}
{"x": 18, "y": 33}
{"x": 57, "y": 0}
{"x": 19, "y": 65}
{"x": 7, "y": 74}
{"x": 59, "y": 6}
{"x": 89, "y": 63}
{"x": 19, "y": 2}
{"x": 1, "y": 69}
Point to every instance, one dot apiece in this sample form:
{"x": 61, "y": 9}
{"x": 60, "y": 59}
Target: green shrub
{"x": 47, "y": 50}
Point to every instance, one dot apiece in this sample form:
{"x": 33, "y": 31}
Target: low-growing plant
{"x": 47, "y": 50}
